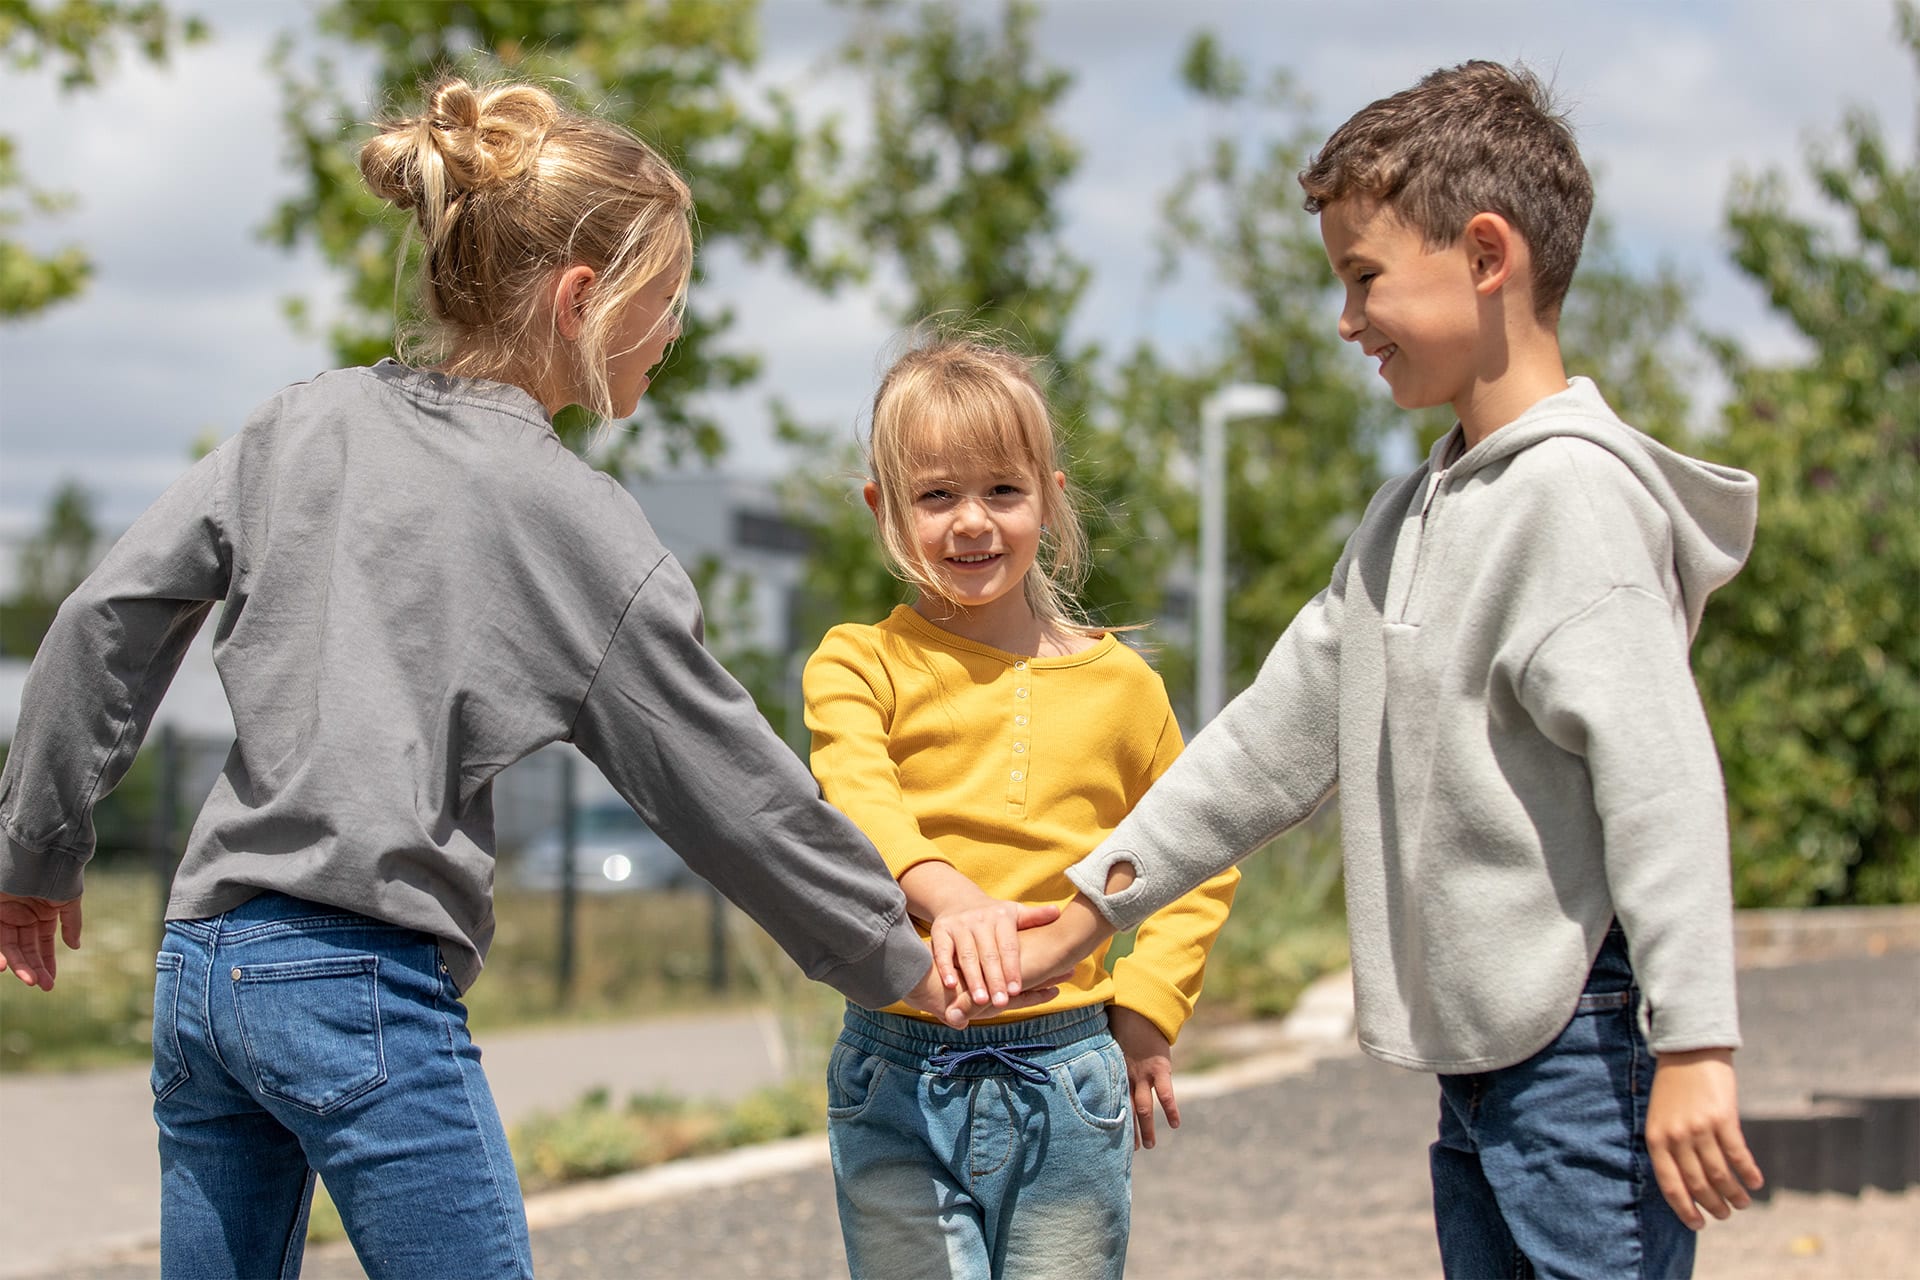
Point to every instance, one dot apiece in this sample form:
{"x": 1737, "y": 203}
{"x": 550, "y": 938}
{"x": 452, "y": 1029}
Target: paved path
{"x": 1286, "y": 1166}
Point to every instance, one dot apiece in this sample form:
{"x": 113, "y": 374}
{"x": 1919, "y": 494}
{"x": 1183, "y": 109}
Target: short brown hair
{"x": 1479, "y": 137}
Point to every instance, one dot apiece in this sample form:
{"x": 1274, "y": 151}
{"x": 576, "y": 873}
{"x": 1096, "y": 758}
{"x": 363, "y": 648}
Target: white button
{"x": 1020, "y": 720}
{"x": 1019, "y": 693}
{"x": 1019, "y": 747}
{"x": 1016, "y": 775}
{"x": 1020, "y": 665}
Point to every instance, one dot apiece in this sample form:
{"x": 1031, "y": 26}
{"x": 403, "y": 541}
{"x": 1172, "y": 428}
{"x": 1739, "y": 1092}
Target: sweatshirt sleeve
{"x": 849, "y": 706}
{"x": 1160, "y": 978}
{"x": 99, "y": 675}
{"x": 684, "y": 744}
{"x": 1612, "y": 685}
{"x": 1263, "y": 765}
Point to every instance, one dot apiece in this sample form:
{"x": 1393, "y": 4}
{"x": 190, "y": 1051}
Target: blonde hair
{"x": 506, "y": 187}
{"x": 957, "y": 395}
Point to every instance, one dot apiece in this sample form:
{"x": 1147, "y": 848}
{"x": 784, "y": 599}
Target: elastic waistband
{"x": 909, "y": 1042}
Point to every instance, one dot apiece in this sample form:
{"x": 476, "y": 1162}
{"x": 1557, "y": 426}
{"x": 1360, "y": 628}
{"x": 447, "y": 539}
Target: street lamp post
{"x": 1236, "y": 400}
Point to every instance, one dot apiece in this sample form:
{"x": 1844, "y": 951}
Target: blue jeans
{"x": 991, "y": 1151}
{"x": 290, "y": 1039}
{"x": 1541, "y": 1168}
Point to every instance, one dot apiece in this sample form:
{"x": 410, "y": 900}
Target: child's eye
{"x": 935, "y": 495}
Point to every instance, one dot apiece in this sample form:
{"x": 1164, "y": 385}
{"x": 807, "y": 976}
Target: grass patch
{"x": 595, "y": 1139}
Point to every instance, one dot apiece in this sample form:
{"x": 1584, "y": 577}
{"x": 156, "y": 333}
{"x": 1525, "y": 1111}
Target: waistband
{"x": 912, "y": 1042}
{"x": 269, "y": 912}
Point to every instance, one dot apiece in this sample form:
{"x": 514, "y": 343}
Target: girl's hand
{"x": 26, "y": 936}
{"x": 1149, "y": 1071}
{"x": 1700, "y": 1157}
{"x": 976, "y": 948}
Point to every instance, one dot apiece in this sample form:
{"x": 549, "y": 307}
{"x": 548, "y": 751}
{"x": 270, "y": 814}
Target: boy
{"x": 1497, "y": 679}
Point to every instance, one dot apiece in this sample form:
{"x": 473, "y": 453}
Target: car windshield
{"x": 603, "y": 821}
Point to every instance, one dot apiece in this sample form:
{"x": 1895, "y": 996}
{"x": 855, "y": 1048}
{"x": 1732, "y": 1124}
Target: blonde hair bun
{"x": 467, "y": 140}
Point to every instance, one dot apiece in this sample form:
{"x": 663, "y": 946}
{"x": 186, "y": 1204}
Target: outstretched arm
{"x": 685, "y": 745}
{"x": 95, "y": 685}
{"x": 1261, "y": 766}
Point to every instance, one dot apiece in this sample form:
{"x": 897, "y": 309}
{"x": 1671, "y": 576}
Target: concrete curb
{"x": 1765, "y": 939}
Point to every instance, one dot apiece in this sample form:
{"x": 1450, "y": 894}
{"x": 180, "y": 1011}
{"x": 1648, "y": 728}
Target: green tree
{"x": 671, "y": 71}
{"x": 1810, "y": 660}
{"x": 52, "y": 563}
{"x": 80, "y": 40}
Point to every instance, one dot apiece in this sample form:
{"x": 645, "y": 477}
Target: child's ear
{"x": 871, "y": 492}
{"x": 570, "y": 299}
{"x": 1060, "y": 481}
{"x": 1493, "y": 249}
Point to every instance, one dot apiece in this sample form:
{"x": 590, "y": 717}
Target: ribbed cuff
{"x": 888, "y": 972}
{"x": 28, "y": 873}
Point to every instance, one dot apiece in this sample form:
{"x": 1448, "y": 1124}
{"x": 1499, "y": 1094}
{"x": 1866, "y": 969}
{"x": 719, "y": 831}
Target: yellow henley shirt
{"x": 1009, "y": 769}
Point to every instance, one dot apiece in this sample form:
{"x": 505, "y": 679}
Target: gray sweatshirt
{"x": 1497, "y": 678}
{"x": 417, "y": 585}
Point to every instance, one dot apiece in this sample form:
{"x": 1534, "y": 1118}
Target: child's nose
{"x": 1353, "y": 320}
{"x": 971, "y": 516}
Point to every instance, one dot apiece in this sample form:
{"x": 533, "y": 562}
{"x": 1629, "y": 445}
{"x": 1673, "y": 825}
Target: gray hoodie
{"x": 1497, "y": 678}
{"x": 416, "y": 585}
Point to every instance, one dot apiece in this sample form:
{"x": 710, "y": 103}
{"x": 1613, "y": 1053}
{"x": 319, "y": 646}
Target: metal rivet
{"x": 236, "y": 974}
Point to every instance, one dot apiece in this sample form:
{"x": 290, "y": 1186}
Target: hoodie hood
{"x": 1711, "y": 508}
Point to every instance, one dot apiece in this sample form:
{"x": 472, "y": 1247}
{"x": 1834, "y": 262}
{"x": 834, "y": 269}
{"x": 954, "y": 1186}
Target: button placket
{"x": 1019, "y": 767}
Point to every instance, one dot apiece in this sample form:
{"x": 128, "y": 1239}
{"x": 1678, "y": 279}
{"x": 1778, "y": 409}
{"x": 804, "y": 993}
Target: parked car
{"x": 613, "y": 852}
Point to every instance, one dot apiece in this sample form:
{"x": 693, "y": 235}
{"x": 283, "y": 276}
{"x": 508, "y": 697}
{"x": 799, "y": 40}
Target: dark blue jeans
{"x": 1541, "y": 1168}
{"x": 291, "y": 1038}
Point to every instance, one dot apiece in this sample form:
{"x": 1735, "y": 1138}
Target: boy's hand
{"x": 26, "y": 936}
{"x": 1700, "y": 1157}
{"x": 976, "y": 947}
{"x": 1149, "y": 1071}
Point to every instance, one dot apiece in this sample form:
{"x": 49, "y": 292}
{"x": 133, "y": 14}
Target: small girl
{"x": 985, "y": 738}
{"x": 418, "y": 584}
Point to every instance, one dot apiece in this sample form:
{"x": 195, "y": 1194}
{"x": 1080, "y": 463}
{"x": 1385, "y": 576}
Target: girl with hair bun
{"x": 416, "y": 584}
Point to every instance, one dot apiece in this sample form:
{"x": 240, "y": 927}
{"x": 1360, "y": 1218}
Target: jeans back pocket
{"x": 169, "y": 1064}
{"x": 311, "y": 1029}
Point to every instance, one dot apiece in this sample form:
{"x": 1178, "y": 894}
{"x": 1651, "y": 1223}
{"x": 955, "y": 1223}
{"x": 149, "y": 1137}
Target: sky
{"x": 176, "y": 168}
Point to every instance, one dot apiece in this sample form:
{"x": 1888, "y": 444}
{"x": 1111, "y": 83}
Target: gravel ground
{"x": 1323, "y": 1174}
